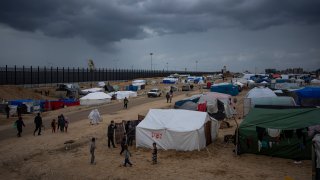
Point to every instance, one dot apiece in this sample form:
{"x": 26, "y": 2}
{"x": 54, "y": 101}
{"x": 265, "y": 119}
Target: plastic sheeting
{"x": 174, "y": 129}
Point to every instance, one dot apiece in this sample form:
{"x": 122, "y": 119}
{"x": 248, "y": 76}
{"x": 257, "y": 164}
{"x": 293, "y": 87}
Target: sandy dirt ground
{"x": 45, "y": 156}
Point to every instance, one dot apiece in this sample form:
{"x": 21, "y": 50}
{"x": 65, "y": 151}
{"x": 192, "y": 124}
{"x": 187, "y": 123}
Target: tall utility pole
{"x": 167, "y": 66}
{"x": 196, "y": 65}
{"x": 151, "y": 60}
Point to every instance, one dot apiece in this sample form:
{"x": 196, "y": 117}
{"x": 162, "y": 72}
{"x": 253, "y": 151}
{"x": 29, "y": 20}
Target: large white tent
{"x": 175, "y": 129}
{"x": 123, "y": 94}
{"x": 95, "y": 98}
{"x": 259, "y": 92}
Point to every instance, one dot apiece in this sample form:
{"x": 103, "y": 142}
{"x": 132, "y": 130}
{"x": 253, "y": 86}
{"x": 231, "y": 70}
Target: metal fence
{"x": 49, "y": 75}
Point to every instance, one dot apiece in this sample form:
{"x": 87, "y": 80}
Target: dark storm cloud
{"x": 101, "y": 22}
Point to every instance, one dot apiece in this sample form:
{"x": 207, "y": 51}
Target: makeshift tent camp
{"x": 308, "y": 96}
{"x": 95, "y": 99}
{"x": 260, "y": 92}
{"x": 225, "y": 88}
{"x": 176, "y": 129}
{"x": 95, "y": 117}
{"x": 278, "y": 132}
{"x": 249, "y": 103}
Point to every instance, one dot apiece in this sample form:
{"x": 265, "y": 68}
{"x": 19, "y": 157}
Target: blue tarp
{"x": 181, "y": 102}
{"x": 132, "y": 88}
{"x": 226, "y": 89}
{"x": 19, "y": 102}
{"x": 308, "y": 94}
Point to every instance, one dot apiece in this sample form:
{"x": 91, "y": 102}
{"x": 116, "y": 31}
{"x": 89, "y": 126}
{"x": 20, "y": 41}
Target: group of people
{"x": 124, "y": 144}
{"x": 63, "y": 123}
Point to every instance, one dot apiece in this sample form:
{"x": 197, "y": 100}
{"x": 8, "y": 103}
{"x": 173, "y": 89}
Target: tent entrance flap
{"x": 207, "y": 132}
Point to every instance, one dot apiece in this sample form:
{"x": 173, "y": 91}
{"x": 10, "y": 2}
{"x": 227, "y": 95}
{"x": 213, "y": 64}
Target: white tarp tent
{"x": 123, "y": 94}
{"x": 260, "y": 92}
{"x": 95, "y": 98}
{"x": 95, "y": 117}
{"x": 249, "y": 103}
{"x": 92, "y": 90}
{"x": 175, "y": 129}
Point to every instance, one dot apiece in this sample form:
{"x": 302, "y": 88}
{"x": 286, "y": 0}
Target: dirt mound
{"x": 18, "y": 92}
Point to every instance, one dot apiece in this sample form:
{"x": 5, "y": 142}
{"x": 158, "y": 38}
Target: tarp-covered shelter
{"x": 308, "y": 96}
{"x": 259, "y": 92}
{"x": 95, "y": 99}
{"x": 278, "y": 132}
{"x": 181, "y": 130}
{"x": 123, "y": 94}
{"x": 225, "y": 88}
{"x": 170, "y": 80}
{"x": 249, "y": 103}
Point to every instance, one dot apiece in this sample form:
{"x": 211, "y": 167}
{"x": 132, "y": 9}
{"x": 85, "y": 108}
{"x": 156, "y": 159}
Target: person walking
{"x": 92, "y": 149}
{"x": 154, "y": 154}
{"x": 19, "y": 123}
{"x": 110, "y": 133}
{"x": 7, "y": 111}
{"x": 124, "y": 142}
{"x": 125, "y": 103}
{"x": 38, "y": 123}
{"x": 168, "y": 97}
{"x": 53, "y": 126}
{"x": 171, "y": 95}
{"x": 61, "y": 122}
{"x": 127, "y": 155}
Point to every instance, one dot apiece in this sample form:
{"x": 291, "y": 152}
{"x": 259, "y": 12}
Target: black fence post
{"x": 51, "y": 78}
{"x": 62, "y": 74}
{"x": 68, "y": 73}
{"x": 45, "y": 75}
{"x": 57, "y": 75}
{"x": 31, "y": 75}
{"x": 6, "y": 74}
{"x": 15, "y": 74}
{"x": 78, "y": 74}
{"x": 23, "y": 75}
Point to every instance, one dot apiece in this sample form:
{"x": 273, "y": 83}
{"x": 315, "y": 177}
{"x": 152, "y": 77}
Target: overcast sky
{"x": 241, "y": 34}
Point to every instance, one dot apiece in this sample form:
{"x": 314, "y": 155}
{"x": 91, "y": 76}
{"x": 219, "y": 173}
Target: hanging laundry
{"x": 312, "y": 130}
{"x": 274, "y": 132}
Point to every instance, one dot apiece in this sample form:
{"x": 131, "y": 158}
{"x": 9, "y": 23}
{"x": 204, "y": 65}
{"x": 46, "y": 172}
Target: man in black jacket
{"x": 19, "y": 124}
{"x": 111, "y": 129}
{"x": 38, "y": 123}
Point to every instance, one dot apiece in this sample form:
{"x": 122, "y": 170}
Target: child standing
{"x": 127, "y": 155}
{"x": 53, "y": 125}
{"x": 66, "y": 123}
{"x": 92, "y": 149}
{"x": 154, "y": 154}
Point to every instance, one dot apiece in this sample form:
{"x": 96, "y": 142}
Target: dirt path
{"x": 10, "y": 132}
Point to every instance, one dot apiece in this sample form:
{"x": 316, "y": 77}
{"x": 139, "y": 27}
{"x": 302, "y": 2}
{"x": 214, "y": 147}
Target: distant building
{"x": 269, "y": 71}
{"x": 293, "y": 71}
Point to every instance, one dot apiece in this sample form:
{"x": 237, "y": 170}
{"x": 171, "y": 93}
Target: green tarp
{"x": 283, "y": 119}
